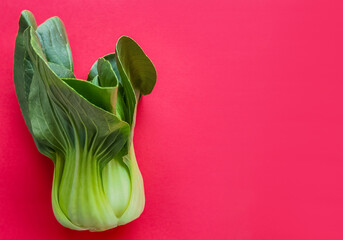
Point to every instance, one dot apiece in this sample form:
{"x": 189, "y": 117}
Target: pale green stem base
{"x": 82, "y": 199}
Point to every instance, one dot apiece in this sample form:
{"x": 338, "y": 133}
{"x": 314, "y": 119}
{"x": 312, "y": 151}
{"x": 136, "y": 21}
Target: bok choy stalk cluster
{"x": 85, "y": 127}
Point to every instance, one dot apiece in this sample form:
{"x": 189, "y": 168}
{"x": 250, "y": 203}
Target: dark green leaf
{"x": 106, "y": 75}
{"x": 136, "y": 65}
{"x": 55, "y": 46}
{"x": 22, "y": 70}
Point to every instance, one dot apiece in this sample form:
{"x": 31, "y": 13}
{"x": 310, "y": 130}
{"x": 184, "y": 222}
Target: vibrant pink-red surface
{"x": 242, "y": 137}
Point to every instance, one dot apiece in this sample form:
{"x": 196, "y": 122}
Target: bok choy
{"x": 84, "y": 127}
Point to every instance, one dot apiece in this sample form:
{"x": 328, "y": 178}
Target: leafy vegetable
{"x": 85, "y": 127}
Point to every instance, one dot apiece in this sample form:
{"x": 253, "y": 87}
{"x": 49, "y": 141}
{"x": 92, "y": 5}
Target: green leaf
{"x": 56, "y": 48}
{"x": 126, "y": 100}
{"x": 103, "y": 97}
{"x": 135, "y": 73}
{"x": 55, "y": 45}
{"x": 61, "y": 71}
{"x": 107, "y": 77}
{"x": 22, "y": 69}
{"x": 136, "y": 65}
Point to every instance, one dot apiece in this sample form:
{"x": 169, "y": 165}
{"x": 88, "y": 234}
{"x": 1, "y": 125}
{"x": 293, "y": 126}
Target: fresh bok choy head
{"x": 85, "y": 127}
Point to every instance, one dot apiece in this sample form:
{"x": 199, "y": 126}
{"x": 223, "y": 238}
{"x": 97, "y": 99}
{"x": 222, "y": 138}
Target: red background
{"x": 242, "y": 137}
